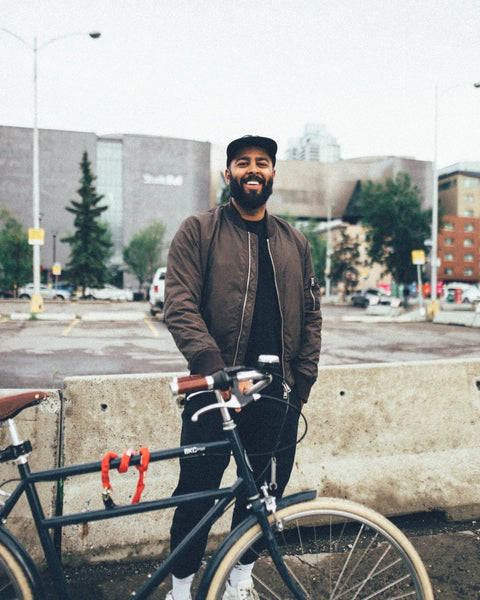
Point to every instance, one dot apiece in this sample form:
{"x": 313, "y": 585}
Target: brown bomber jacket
{"x": 210, "y": 290}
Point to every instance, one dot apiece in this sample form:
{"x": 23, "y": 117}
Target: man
{"x": 240, "y": 283}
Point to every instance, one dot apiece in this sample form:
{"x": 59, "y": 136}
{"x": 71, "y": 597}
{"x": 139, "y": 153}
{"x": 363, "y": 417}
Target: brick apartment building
{"x": 459, "y": 234}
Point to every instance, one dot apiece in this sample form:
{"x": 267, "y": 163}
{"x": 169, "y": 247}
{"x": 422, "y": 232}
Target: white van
{"x": 157, "y": 291}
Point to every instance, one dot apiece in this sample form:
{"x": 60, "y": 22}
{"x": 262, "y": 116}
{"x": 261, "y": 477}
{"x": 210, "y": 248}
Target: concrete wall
{"x": 399, "y": 437}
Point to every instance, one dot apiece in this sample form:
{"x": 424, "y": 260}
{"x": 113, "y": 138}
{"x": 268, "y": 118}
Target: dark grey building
{"x": 142, "y": 178}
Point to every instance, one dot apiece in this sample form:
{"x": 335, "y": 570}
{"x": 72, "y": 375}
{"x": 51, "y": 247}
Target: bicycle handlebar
{"x": 221, "y": 380}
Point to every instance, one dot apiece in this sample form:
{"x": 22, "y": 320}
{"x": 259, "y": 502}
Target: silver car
{"x": 47, "y": 293}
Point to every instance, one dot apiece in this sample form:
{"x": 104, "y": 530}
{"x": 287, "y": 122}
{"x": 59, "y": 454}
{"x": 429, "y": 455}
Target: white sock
{"x": 181, "y": 587}
{"x": 240, "y": 573}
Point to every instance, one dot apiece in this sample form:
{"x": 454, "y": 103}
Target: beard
{"x": 250, "y": 200}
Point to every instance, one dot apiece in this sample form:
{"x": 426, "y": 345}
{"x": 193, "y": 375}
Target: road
{"x": 95, "y": 338}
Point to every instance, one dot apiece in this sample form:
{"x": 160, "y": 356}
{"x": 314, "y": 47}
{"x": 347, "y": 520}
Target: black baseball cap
{"x": 252, "y": 141}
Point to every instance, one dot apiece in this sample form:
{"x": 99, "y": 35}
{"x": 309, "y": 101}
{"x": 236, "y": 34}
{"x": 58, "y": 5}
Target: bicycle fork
{"x": 262, "y": 507}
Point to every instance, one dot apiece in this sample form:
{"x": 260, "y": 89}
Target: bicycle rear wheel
{"x": 334, "y": 549}
{"x": 14, "y": 581}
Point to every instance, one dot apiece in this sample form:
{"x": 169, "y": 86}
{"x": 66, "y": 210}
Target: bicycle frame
{"x": 223, "y": 497}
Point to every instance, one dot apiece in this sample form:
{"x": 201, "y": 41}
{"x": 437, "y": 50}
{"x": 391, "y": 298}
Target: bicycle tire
{"x": 335, "y": 549}
{"x": 14, "y": 581}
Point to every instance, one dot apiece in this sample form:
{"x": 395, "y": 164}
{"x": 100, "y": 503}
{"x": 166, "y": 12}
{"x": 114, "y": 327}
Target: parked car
{"x": 469, "y": 293}
{"x": 369, "y": 297}
{"x": 63, "y": 285}
{"x": 6, "y": 294}
{"x": 108, "y": 292}
{"x": 157, "y": 291}
{"x": 47, "y": 293}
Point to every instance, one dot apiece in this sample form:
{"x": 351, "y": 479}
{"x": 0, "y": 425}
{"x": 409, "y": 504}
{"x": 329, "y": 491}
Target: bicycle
{"x": 306, "y": 547}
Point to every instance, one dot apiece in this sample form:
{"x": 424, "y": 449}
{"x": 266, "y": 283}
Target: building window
{"x": 448, "y": 256}
{"x": 468, "y": 257}
{"x": 468, "y": 272}
{"x": 469, "y": 182}
{"x": 110, "y": 184}
{"x": 448, "y": 241}
{"x": 469, "y": 227}
{"x": 448, "y": 271}
{"x": 468, "y": 213}
{"x": 468, "y": 242}
{"x": 448, "y": 226}
{"x": 446, "y": 185}
{"x": 468, "y": 198}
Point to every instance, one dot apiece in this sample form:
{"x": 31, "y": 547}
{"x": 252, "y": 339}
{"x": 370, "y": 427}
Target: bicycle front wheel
{"x": 334, "y": 549}
{"x": 14, "y": 582}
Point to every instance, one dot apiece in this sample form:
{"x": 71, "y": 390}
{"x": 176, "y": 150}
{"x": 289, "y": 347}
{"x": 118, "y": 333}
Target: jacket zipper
{"x": 279, "y": 305}
{"x": 312, "y": 285}
{"x": 245, "y": 299}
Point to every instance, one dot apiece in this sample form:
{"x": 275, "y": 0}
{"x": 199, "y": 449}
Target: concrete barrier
{"x": 399, "y": 437}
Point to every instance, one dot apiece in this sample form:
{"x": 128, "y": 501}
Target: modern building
{"x": 315, "y": 144}
{"x": 459, "y": 235}
{"x": 148, "y": 178}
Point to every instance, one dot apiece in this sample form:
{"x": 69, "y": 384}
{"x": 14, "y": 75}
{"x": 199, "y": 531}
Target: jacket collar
{"x": 233, "y": 214}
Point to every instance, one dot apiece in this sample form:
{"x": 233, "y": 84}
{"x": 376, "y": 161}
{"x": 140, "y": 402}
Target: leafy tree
{"x": 318, "y": 245}
{"x": 345, "y": 260}
{"x": 395, "y": 224}
{"x": 90, "y": 245}
{"x": 15, "y": 253}
{"x": 144, "y": 252}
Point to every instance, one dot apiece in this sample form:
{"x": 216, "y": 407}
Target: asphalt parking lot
{"x": 95, "y": 338}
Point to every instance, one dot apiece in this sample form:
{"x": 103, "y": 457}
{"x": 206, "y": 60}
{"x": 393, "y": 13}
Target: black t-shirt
{"x": 265, "y": 334}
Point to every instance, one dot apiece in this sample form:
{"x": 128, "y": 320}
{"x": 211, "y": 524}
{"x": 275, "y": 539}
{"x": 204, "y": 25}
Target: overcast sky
{"x": 213, "y": 70}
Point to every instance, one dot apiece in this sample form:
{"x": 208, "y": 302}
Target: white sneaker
{"x": 169, "y": 596}
{"x": 243, "y": 591}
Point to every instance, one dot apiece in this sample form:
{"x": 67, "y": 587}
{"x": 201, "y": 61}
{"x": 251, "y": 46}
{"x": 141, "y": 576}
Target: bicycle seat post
{"x": 15, "y": 439}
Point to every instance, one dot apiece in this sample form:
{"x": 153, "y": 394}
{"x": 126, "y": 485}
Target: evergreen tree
{"x": 90, "y": 245}
{"x": 15, "y": 253}
{"x": 144, "y": 252}
{"x": 395, "y": 224}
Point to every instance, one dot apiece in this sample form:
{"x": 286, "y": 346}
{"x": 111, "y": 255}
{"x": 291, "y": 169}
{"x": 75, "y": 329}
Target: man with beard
{"x": 240, "y": 283}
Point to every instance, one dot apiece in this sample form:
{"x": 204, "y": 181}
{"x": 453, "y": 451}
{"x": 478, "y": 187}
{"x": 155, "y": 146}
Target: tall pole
{"x": 36, "y": 302}
{"x": 434, "y": 256}
{"x": 328, "y": 262}
{"x": 37, "y": 240}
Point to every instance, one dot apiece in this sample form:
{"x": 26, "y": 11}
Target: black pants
{"x": 262, "y": 426}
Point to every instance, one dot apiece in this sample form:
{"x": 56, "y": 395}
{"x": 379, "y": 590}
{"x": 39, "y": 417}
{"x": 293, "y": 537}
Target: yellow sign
{"x": 36, "y": 237}
{"x": 56, "y": 269}
{"x": 418, "y": 257}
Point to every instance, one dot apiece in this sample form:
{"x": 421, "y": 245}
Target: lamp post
{"x": 328, "y": 262}
{"x": 36, "y": 235}
{"x": 434, "y": 254}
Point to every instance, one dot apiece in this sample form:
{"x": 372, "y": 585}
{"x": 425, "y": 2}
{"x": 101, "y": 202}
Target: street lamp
{"x": 328, "y": 262}
{"x": 434, "y": 254}
{"x": 36, "y": 237}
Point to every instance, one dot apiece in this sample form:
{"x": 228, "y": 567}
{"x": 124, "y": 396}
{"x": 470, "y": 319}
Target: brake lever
{"x": 234, "y": 402}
